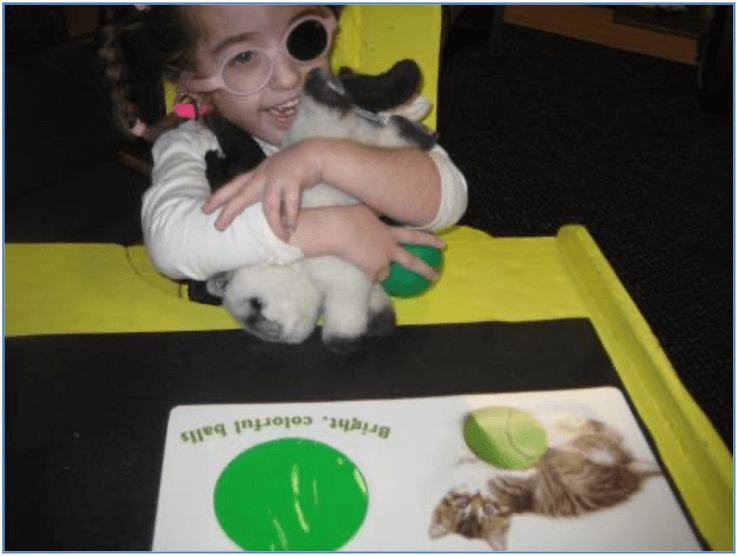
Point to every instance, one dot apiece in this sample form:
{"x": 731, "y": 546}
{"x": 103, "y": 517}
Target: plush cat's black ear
{"x": 218, "y": 283}
{"x": 241, "y": 153}
{"x": 217, "y": 170}
{"x": 390, "y": 89}
{"x": 197, "y": 291}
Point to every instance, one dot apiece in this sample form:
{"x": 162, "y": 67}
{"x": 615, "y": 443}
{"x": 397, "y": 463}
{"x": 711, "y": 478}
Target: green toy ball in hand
{"x": 405, "y": 283}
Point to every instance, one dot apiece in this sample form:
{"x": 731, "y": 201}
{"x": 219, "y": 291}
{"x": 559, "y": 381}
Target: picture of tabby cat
{"x": 588, "y": 473}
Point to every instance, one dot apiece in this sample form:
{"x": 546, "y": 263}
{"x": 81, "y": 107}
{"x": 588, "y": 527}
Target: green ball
{"x": 405, "y": 283}
{"x": 505, "y": 437}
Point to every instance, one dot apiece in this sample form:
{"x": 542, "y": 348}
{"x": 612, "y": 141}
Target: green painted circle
{"x": 405, "y": 283}
{"x": 290, "y": 494}
{"x": 505, "y": 437}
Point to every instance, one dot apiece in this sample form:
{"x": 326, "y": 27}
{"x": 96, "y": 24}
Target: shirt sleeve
{"x": 181, "y": 239}
{"x": 453, "y": 191}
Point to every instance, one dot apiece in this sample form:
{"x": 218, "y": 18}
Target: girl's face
{"x": 219, "y": 28}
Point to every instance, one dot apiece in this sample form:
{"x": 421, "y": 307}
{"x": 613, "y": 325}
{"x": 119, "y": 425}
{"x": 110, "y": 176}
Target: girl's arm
{"x": 402, "y": 184}
{"x": 183, "y": 243}
{"x": 355, "y": 233}
{"x": 422, "y": 189}
{"x": 419, "y": 188}
{"x": 181, "y": 239}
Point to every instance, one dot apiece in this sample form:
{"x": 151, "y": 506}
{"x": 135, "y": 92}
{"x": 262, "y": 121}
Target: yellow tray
{"x": 104, "y": 288}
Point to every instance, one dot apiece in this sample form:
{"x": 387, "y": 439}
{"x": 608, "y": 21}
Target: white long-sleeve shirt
{"x": 182, "y": 240}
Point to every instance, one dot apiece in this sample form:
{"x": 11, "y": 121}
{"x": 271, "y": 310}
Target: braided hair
{"x": 140, "y": 48}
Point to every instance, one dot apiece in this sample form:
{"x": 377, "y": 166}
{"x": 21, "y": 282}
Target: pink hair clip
{"x": 188, "y": 110}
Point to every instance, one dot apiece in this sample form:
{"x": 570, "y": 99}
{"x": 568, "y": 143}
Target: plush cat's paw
{"x": 343, "y": 336}
{"x": 382, "y": 323}
{"x": 343, "y": 345}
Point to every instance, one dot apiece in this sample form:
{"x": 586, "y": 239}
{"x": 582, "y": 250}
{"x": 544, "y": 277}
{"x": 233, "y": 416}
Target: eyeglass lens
{"x": 247, "y": 71}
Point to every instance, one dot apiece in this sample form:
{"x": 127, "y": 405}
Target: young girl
{"x": 248, "y": 62}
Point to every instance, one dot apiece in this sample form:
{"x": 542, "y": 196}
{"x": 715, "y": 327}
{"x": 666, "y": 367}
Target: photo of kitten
{"x": 591, "y": 471}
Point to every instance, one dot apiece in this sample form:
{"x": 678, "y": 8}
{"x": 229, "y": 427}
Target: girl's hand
{"x": 277, "y": 182}
{"x": 371, "y": 245}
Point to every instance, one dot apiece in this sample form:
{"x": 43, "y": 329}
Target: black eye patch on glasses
{"x": 307, "y": 41}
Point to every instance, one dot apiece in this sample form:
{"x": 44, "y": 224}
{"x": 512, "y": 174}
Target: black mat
{"x": 86, "y": 415}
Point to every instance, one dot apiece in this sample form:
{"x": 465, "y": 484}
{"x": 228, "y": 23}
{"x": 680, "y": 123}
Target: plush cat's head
{"x": 473, "y": 516}
{"x": 327, "y": 109}
{"x": 275, "y": 303}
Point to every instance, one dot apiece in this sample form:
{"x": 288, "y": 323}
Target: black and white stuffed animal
{"x": 283, "y": 303}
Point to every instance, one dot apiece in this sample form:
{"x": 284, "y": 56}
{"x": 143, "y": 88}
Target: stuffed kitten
{"x": 393, "y": 91}
{"x": 282, "y": 303}
{"x": 591, "y": 472}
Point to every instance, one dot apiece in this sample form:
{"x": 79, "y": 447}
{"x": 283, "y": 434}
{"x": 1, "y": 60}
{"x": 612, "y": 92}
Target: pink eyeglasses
{"x": 247, "y": 69}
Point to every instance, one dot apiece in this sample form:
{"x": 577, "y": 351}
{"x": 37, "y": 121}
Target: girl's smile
{"x": 285, "y": 113}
